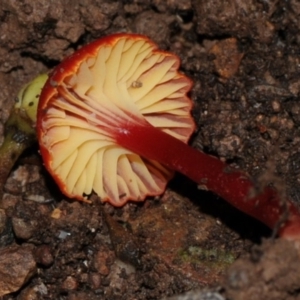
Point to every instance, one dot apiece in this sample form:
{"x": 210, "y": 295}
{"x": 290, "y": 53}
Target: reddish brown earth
{"x": 244, "y": 59}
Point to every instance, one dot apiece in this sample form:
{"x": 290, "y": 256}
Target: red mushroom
{"x": 114, "y": 119}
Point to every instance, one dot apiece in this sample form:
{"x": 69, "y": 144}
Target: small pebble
{"x": 95, "y": 280}
{"x": 23, "y": 229}
{"x": 69, "y": 284}
{"x": 44, "y": 256}
{"x": 3, "y": 220}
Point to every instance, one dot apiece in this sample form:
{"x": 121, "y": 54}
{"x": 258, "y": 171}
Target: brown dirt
{"x": 243, "y": 57}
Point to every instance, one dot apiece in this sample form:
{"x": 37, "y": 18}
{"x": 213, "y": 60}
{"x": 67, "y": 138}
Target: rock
{"x": 6, "y": 234}
{"x": 154, "y": 25}
{"x": 43, "y": 255}
{"x": 228, "y": 57}
{"x": 95, "y": 280}
{"x": 100, "y": 262}
{"x": 33, "y": 292}
{"x": 69, "y": 284}
{"x": 24, "y": 229}
{"x": 270, "y": 271}
{"x": 198, "y": 295}
{"x": 3, "y": 220}
{"x": 17, "y": 265}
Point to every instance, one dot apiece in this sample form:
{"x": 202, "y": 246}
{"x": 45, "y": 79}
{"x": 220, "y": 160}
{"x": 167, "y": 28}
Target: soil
{"x": 243, "y": 57}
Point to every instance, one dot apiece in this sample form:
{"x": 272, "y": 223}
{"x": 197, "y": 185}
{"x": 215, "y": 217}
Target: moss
{"x": 207, "y": 257}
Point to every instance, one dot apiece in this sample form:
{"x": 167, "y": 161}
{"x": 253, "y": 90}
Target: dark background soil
{"x": 244, "y": 59}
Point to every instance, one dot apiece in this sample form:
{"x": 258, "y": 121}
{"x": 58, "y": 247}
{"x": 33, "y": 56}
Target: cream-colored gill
{"x": 127, "y": 81}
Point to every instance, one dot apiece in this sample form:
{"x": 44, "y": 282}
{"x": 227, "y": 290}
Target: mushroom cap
{"x": 90, "y": 97}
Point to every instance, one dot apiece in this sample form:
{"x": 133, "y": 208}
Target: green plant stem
{"x": 19, "y": 135}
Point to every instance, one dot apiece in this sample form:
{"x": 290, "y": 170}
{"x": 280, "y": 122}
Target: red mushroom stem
{"x": 233, "y": 186}
{"x": 111, "y": 91}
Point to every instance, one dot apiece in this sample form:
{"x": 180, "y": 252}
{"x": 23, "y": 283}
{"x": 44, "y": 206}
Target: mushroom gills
{"x": 125, "y": 81}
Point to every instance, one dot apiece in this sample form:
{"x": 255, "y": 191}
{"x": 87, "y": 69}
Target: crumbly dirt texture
{"x": 245, "y": 62}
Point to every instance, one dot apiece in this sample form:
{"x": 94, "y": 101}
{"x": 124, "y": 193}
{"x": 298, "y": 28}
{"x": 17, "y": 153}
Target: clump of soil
{"x": 267, "y": 272}
{"x": 244, "y": 60}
